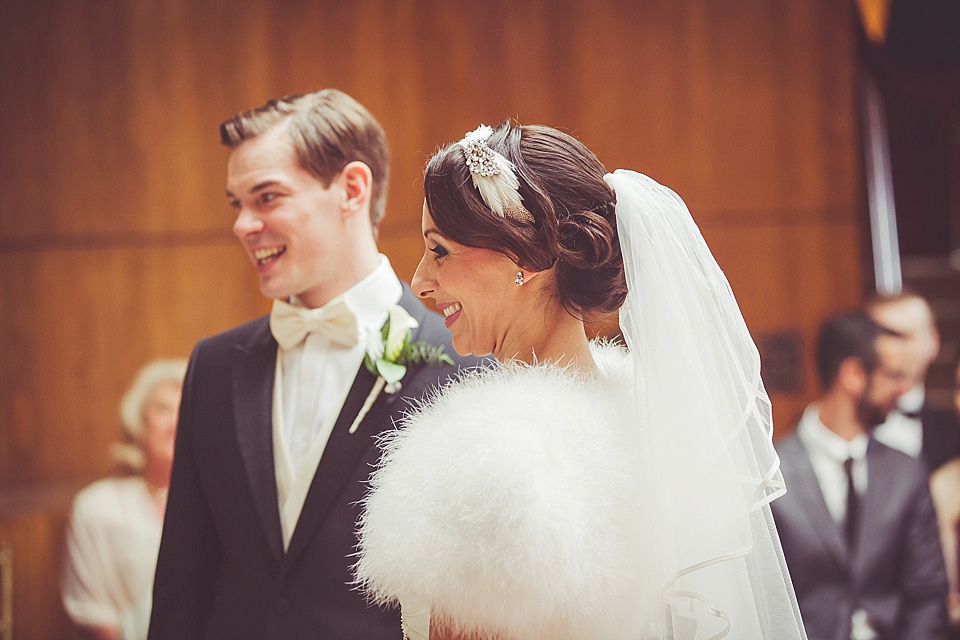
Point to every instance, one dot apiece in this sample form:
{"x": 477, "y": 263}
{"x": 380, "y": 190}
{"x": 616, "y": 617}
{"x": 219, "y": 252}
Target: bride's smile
{"x": 475, "y": 290}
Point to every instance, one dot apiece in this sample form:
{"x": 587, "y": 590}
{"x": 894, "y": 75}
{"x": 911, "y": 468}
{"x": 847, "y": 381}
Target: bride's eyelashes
{"x": 438, "y": 251}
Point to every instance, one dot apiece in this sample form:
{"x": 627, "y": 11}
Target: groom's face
{"x": 291, "y": 225}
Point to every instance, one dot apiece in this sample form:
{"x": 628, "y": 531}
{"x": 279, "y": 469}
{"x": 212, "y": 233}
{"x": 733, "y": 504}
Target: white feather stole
{"x": 510, "y": 503}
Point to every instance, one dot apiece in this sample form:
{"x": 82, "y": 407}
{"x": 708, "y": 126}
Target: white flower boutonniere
{"x": 389, "y": 351}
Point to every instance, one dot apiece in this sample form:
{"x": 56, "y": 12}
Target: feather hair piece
{"x": 493, "y": 176}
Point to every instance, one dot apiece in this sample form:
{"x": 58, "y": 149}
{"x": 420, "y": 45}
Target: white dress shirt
{"x": 828, "y": 452}
{"x": 311, "y": 384}
{"x": 901, "y": 432}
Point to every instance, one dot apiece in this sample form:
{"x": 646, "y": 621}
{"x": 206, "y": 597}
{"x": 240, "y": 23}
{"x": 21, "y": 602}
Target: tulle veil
{"x": 705, "y": 427}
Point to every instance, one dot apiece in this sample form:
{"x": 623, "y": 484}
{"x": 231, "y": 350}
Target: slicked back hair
{"x": 329, "y": 130}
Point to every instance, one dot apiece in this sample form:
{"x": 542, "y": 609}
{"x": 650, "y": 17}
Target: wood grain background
{"x": 115, "y": 243}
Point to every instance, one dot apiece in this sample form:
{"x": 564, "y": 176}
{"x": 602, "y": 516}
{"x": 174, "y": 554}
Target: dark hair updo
{"x": 562, "y": 186}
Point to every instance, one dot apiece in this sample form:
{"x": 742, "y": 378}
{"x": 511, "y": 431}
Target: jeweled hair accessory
{"x": 493, "y": 176}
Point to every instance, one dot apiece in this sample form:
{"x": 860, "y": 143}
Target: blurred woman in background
{"x": 115, "y": 525}
{"x": 945, "y": 489}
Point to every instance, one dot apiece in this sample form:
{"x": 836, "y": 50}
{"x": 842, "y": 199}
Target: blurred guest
{"x": 115, "y": 525}
{"x": 857, "y": 524}
{"x": 945, "y": 487}
{"x": 916, "y": 428}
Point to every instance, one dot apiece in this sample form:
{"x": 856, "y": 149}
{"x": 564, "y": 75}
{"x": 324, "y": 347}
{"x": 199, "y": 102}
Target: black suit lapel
{"x": 344, "y": 450}
{"x": 806, "y": 488}
{"x": 253, "y": 377}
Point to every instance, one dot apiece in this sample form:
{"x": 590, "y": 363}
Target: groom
{"x": 274, "y": 448}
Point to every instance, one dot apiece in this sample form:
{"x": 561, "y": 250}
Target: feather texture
{"x": 509, "y": 502}
{"x": 493, "y": 176}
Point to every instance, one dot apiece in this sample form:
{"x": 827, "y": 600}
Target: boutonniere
{"x": 389, "y": 351}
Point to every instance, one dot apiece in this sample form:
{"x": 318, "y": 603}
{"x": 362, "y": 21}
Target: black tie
{"x": 851, "y": 522}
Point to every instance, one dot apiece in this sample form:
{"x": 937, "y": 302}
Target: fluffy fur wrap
{"x": 510, "y": 504}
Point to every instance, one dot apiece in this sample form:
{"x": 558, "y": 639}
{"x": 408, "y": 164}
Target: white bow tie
{"x": 290, "y": 324}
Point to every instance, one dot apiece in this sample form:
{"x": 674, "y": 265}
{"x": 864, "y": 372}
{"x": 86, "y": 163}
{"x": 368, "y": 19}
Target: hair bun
{"x": 590, "y": 268}
{"x": 586, "y": 239}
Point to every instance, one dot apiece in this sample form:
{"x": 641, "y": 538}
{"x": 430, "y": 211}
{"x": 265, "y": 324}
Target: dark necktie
{"x": 850, "y": 526}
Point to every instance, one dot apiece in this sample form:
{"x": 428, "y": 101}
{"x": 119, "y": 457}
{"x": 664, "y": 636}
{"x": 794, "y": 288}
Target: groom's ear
{"x": 356, "y": 179}
{"x": 852, "y": 376}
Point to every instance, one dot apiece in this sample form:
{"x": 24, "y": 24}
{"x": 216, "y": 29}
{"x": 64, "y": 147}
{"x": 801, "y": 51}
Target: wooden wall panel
{"x": 77, "y": 326}
{"x": 806, "y": 271}
{"x": 116, "y": 103}
{"x": 114, "y": 232}
{"x": 36, "y": 538}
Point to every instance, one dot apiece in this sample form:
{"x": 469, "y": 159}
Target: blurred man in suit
{"x": 915, "y": 427}
{"x": 857, "y": 524}
{"x": 272, "y": 455}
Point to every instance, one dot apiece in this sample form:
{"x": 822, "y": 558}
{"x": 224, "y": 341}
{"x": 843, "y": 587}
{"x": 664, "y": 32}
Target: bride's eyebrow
{"x": 426, "y": 234}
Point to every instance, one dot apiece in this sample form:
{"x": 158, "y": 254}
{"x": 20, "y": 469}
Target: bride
{"x": 577, "y": 489}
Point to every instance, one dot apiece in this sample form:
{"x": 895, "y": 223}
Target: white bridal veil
{"x": 706, "y": 427}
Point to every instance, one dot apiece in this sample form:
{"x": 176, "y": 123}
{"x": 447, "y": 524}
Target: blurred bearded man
{"x": 857, "y": 524}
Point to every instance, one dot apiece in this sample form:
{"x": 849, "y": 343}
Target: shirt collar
{"x": 912, "y": 401}
{"x": 816, "y": 436}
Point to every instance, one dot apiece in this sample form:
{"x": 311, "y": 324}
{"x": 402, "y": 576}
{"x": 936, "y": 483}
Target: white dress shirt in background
{"x": 900, "y": 431}
{"x": 828, "y": 452}
{"x": 112, "y": 543}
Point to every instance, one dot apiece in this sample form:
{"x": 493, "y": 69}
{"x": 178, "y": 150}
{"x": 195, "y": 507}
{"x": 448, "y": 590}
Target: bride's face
{"x": 473, "y": 288}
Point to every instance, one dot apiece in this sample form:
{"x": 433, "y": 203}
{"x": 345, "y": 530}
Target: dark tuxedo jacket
{"x": 896, "y": 572}
{"x": 941, "y": 436}
{"x": 222, "y": 571}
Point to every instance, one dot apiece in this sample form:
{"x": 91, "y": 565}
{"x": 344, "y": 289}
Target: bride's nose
{"x": 423, "y": 283}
